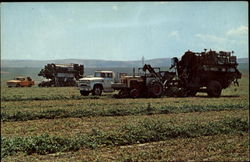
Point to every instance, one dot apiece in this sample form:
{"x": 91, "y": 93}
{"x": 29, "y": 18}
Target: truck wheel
{"x": 155, "y": 89}
{"x": 134, "y": 93}
{"x": 214, "y": 89}
{"x": 191, "y": 93}
{"x": 84, "y": 93}
{"x": 97, "y": 91}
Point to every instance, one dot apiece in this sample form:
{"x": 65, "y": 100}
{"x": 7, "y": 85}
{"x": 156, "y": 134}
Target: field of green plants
{"x": 58, "y": 124}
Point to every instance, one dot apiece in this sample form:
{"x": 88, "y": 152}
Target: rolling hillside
{"x": 86, "y": 63}
{"x": 160, "y": 62}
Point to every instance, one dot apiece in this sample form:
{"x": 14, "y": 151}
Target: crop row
{"x": 147, "y": 130}
{"x": 44, "y": 97}
{"x": 114, "y": 111}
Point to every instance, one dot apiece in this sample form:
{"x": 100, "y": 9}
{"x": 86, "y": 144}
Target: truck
{"x": 208, "y": 72}
{"x": 61, "y": 75}
{"x": 100, "y": 82}
{"x": 21, "y": 81}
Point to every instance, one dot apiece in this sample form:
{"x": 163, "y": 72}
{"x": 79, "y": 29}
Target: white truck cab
{"x": 101, "y": 82}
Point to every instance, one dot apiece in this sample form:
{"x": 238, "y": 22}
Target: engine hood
{"x": 91, "y": 78}
{"x": 13, "y": 81}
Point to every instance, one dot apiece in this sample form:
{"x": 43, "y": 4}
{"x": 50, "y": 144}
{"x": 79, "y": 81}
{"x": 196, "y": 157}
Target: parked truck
{"x": 208, "y": 72}
{"x": 100, "y": 82}
{"x": 61, "y": 75}
{"x": 21, "y": 81}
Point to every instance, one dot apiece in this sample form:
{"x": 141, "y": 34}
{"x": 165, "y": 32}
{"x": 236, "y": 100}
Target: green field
{"x": 57, "y": 124}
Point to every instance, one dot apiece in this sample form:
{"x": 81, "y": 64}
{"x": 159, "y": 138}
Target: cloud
{"x": 115, "y": 8}
{"x": 161, "y": 3}
{"x": 175, "y": 34}
{"x": 234, "y": 36}
{"x": 212, "y": 38}
{"x": 126, "y": 24}
{"x": 240, "y": 31}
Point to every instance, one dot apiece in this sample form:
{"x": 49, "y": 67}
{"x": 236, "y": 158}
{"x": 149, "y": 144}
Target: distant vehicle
{"x": 101, "y": 82}
{"x": 21, "y": 82}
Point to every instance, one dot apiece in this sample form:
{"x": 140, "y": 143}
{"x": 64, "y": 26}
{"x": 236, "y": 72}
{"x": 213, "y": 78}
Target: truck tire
{"x": 134, "y": 93}
{"x": 155, "y": 89}
{"x": 97, "y": 91}
{"x": 84, "y": 93}
{"x": 214, "y": 89}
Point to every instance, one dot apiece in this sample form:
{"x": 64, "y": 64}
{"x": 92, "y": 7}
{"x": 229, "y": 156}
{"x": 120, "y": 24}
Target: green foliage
{"x": 114, "y": 111}
{"x": 145, "y": 131}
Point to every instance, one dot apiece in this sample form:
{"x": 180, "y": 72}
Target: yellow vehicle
{"x": 20, "y": 82}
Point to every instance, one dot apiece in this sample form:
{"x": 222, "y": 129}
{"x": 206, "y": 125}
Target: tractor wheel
{"x": 134, "y": 93}
{"x": 123, "y": 93}
{"x": 155, "y": 89}
{"x": 214, "y": 89}
{"x": 84, "y": 93}
{"x": 97, "y": 91}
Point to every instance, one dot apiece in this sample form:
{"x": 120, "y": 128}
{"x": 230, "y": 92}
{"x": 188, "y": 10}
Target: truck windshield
{"x": 19, "y": 78}
{"x": 97, "y": 74}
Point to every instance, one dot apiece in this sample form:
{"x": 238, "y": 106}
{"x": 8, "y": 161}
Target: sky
{"x": 121, "y": 30}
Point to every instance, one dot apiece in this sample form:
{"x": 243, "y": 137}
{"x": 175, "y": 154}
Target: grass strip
{"x": 115, "y": 111}
{"x": 54, "y": 97}
{"x": 147, "y": 130}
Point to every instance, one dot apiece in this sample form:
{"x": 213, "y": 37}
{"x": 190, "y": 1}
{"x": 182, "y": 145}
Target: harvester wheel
{"x": 97, "y": 91}
{"x": 155, "y": 89}
{"x": 134, "y": 93}
{"x": 84, "y": 93}
{"x": 214, "y": 89}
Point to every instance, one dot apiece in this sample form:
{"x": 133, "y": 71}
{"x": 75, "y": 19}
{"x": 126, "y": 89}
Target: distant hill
{"x": 86, "y": 63}
{"x": 159, "y": 62}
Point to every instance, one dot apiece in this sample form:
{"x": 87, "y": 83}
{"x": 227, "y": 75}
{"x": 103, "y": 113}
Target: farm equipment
{"x": 61, "y": 75}
{"x": 21, "y": 82}
{"x": 149, "y": 84}
{"x": 208, "y": 72}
